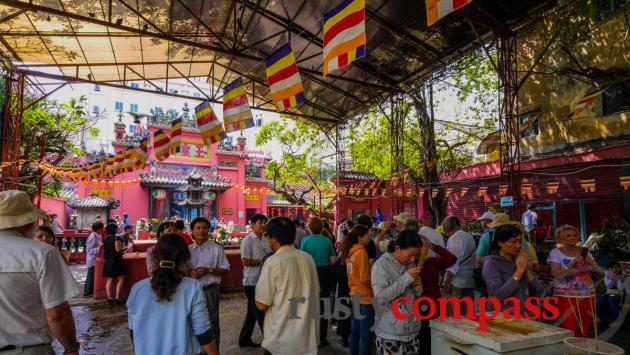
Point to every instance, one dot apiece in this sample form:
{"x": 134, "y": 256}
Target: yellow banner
{"x": 101, "y": 193}
{"x": 252, "y": 197}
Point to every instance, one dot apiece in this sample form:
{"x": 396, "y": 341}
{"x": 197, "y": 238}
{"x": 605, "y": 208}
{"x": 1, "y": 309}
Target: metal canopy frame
{"x": 223, "y": 39}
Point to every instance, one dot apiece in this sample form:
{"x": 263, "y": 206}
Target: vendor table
{"x": 136, "y": 270}
{"x": 461, "y": 337}
{"x": 141, "y": 246}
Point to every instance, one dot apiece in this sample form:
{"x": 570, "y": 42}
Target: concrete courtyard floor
{"x": 102, "y": 329}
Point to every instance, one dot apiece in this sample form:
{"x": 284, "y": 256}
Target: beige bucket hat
{"x": 500, "y": 219}
{"x": 17, "y": 210}
{"x": 404, "y": 217}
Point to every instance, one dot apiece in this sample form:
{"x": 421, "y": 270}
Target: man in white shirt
{"x": 35, "y": 284}
{"x": 426, "y": 221}
{"x": 208, "y": 263}
{"x": 458, "y": 279}
{"x": 252, "y": 255}
{"x": 530, "y": 218}
{"x": 300, "y": 233}
{"x": 288, "y": 289}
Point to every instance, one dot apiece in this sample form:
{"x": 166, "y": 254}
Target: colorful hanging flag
{"x": 463, "y": 191}
{"x": 109, "y": 166}
{"x": 553, "y": 186}
{"x": 374, "y": 192}
{"x": 210, "y": 128}
{"x": 161, "y": 144}
{"x": 406, "y": 175}
{"x": 395, "y": 179}
{"x": 141, "y": 155}
{"x": 421, "y": 192}
{"x": 176, "y": 135}
{"x": 434, "y": 192}
{"x": 588, "y": 99}
{"x": 284, "y": 79}
{"x": 526, "y": 188}
{"x": 448, "y": 192}
{"x": 437, "y": 9}
{"x": 236, "y": 113}
{"x": 384, "y": 192}
{"x": 409, "y": 193}
{"x": 118, "y": 162}
{"x": 503, "y": 189}
{"x": 625, "y": 182}
{"x": 129, "y": 161}
{"x": 344, "y": 34}
{"x": 588, "y": 185}
{"x": 399, "y": 192}
{"x": 482, "y": 190}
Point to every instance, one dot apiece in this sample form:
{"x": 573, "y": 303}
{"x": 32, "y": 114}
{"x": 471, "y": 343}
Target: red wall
{"x": 54, "y": 205}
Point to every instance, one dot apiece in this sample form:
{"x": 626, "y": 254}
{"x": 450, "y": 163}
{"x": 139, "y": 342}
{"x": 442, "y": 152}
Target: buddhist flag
{"x": 503, "y": 189}
{"x": 482, "y": 191}
{"x": 210, "y": 127}
{"x": 588, "y": 99}
{"x": 109, "y": 166}
{"x": 384, "y": 192}
{"x": 421, "y": 192}
{"x": 436, "y": 9}
{"x": 553, "y": 186}
{"x": 129, "y": 161}
{"x": 625, "y": 182}
{"x": 463, "y": 191}
{"x": 434, "y": 192}
{"x": 526, "y": 188}
{"x": 118, "y": 162}
{"x": 409, "y": 192}
{"x": 236, "y": 113}
{"x": 161, "y": 144}
{"x": 344, "y": 34}
{"x": 141, "y": 154}
{"x": 399, "y": 192}
{"x": 448, "y": 192}
{"x": 284, "y": 79}
{"x": 395, "y": 179}
{"x": 176, "y": 135}
{"x": 374, "y": 192}
{"x": 406, "y": 175}
{"x": 588, "y": 185}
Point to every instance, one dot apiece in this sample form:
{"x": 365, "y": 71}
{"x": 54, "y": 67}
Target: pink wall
{"x": 54, "y": 205}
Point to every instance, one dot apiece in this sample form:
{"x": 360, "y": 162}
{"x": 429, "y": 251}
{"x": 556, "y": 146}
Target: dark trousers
{"x": 212, "y": 301}
{"x": 254, "y": 315}
{"x": 425, "y": 330}
{"x": 324, "y": 276}
{"x": 88, "y": 288}
{"x": 361, "y": 338}
{"x": 343, "y": 290}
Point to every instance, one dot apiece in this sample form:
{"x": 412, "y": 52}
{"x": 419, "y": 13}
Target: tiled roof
{"x": 220, "y": 183}
{"x": 277, "y": 201}
{"x": 258, "y": 179}
{"x": 67, "y": 193}
{"x": 92, "y": 202}
{"x": 240, "y": 153}
{"x": 358, "y": 175}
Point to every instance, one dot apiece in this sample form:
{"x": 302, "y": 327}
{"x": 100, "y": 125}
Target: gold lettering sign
{"x": 252, "y": 197}
{"x": 227, "y": 211}
{"x": 101, "y": 193}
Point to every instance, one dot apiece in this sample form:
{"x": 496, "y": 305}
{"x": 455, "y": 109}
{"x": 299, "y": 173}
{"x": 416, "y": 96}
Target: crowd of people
{"x": 295, "y": 276}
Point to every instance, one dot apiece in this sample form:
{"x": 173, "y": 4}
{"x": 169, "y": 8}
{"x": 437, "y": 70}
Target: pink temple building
{"x": 233, "y": 178}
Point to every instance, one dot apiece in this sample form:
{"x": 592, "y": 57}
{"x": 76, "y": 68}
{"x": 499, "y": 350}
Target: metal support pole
{"x": 582, "y": 220}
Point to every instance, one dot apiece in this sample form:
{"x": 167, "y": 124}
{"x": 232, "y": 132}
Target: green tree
{"x": 51, "y": 130}
{"x": 303, "y": 147}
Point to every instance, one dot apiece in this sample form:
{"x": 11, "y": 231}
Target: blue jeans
{"x": 361, "y": 337}
{"x": 613, "y": 305}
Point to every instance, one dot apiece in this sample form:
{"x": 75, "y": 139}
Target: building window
{"x": 118, "y": 106}
{"x": 132, "y": 129}
{"x": 529, "y": 125}
{"x": 134, "y": 85}
{"x": 616, "y": 99}
{"x": 605, "y": 8}
{"x": 228, "y": 163}
{"x": 196, "y": 94}
{"x": 95, "y": 109}
{"x": 133, "y": 108}
{"x": 97, "y": 87}
{"x": 259, "y": 122}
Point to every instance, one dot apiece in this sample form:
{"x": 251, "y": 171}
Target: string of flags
{"x": 395, "y": 188}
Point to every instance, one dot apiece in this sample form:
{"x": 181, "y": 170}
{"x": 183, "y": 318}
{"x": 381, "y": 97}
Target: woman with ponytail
{"x": 167, "y": 311}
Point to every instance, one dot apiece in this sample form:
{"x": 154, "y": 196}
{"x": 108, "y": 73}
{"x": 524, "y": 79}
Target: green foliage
{"x": 302, "y": 147}
{"x": 56, "y": 127}
{"x": 615, "y": 240}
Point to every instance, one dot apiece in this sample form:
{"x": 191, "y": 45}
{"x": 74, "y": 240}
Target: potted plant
{"x": 614, "y": 243}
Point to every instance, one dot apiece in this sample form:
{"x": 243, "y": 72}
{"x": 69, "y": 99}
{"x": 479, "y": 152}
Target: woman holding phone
{"x": 572, "y": 267}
